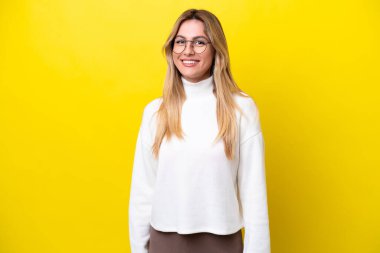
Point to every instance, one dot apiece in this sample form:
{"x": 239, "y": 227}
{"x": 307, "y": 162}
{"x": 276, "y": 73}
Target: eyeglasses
{"x": 199, "y": 45}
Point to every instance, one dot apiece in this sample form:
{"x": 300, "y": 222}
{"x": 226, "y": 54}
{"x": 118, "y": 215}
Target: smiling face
{"x": 201, "y": 69}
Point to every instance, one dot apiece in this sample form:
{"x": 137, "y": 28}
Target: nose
{"x": 188, "y": 48}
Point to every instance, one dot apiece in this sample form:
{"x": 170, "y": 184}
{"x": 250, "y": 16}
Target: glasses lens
{"x": 199, "y": 46}
{"x": 179, "y": 46}
{"x": 199, "y": 49}
{"x": 178, "y": 49}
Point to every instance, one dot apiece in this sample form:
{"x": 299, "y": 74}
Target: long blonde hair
{"x": 169, "y": 113}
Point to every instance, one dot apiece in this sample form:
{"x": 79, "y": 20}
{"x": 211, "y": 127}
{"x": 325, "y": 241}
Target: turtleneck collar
{"x": 198, "y": 89}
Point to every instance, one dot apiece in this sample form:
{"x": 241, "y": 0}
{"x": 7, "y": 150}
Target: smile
{"x": 189, "y": 63}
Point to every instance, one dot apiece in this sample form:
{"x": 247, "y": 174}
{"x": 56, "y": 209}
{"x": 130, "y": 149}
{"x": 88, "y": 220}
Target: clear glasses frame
{"x": 178, "y": 49}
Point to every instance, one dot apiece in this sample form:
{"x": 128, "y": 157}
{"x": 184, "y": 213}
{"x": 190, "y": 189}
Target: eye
{"x": 200, "y": 42}
{"x": 179, "y": 42}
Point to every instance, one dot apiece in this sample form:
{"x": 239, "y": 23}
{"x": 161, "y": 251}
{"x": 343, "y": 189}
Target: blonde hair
{"x": 169, "y": 113}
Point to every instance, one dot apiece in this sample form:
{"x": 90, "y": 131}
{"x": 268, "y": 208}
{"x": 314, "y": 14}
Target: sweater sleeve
{"x": 141, "y": 191}
{"x": 252, "y": 186}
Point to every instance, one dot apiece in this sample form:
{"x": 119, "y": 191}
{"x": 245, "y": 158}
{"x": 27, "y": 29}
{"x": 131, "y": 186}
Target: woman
{"x": 199, "y": 174}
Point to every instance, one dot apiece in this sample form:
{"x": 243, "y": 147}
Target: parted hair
{"x": 169, "y": 113}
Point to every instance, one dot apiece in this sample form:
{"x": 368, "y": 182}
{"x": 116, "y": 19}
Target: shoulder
{"x": 149, "y": 112}
{"x": 247, "y": 104}
{"x": 249, "y": 118}
{"x": 148, "y": 125}
{"x": 152, "y": 107}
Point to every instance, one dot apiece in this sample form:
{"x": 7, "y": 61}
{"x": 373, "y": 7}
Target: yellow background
{"x": 75, "y": 76}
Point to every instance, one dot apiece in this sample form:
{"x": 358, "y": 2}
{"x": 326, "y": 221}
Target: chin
{"x": 191, "y": 73}
{"x": 191, "y": 76}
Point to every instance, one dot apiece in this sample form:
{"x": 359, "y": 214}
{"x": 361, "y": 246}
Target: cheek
{"x": 176, "y": 62}
{"x": 209, "y": 59}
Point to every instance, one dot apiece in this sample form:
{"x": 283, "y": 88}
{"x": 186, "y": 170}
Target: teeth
{"x": 189, "y": 62}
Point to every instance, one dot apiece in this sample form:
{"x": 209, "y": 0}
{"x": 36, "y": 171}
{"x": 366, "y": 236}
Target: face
{"x": 189, "y": 30}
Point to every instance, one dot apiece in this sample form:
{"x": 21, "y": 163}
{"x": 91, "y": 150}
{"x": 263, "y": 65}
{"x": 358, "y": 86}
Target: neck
{"x": 198, "y": 89}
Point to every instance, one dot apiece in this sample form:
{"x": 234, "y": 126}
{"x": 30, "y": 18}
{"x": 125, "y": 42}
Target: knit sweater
{"x": 192, "y": 187}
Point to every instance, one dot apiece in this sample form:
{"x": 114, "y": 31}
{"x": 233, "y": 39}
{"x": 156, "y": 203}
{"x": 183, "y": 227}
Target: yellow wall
{"x": 75, "y": 76}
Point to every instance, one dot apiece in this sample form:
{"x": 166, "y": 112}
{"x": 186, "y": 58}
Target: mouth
{"x": 189, "y": 63}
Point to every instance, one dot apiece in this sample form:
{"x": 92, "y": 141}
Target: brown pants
{"x": 172, "y": 242}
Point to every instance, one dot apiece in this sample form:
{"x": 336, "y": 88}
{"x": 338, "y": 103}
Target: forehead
{"x": 191, "y": 28}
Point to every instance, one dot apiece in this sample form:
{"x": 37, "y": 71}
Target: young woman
{"x": 199, "y": 169}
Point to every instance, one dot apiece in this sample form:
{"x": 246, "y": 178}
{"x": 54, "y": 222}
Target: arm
{"x": 141, "y": 191}
{"x": 253, "y": 195}
{"x": 252, "y": 185}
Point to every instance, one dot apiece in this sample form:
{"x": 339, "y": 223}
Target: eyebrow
{"x": 196, "y": 37}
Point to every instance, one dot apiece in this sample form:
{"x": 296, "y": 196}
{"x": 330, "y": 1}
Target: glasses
{"x": 199, "y": 45}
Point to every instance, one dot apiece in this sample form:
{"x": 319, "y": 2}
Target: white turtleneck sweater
{"x": 192, "y": 187}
